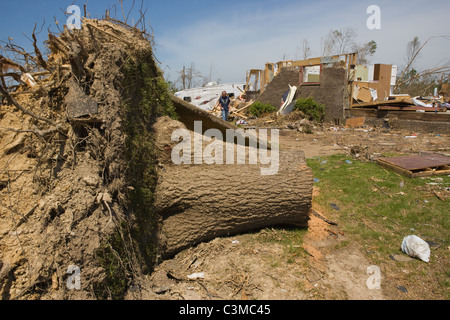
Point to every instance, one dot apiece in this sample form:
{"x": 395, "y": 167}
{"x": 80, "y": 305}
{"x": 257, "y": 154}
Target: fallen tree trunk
{"x": 200, "y": 202}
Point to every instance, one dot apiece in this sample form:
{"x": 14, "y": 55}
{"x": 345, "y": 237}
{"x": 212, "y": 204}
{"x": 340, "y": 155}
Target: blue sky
{"x": 234, "y": 36}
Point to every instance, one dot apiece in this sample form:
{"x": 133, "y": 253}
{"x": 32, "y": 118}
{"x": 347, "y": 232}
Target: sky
{"x": 224, "y": 39}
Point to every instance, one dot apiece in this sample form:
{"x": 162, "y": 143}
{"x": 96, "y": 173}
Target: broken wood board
{"x": 382, "y": 102}
{"x": 248, "y": 104}
{"x": 410, "y": 108}
{"x": 418, "y": 165}
{"x": 364, "y": 94}
{"x": 401, "y": 98}
{"x": 356, "y": 122}
{"x": 445, "y": 90}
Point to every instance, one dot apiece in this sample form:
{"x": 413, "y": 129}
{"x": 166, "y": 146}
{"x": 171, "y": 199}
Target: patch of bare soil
{"x": 269, "y": 264}
{"x": 361, "y": 144}
{"x": 233, "y": 268}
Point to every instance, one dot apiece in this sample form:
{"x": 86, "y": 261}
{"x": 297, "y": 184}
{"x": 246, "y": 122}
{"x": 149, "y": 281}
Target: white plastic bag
{"x": 195, "y": 276}
{"x": 28, "y": 79}
{"x": 415, "y": 247}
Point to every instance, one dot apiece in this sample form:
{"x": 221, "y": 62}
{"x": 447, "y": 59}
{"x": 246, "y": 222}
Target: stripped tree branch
{"x": 38, "y": 53}
{"x": 6, "y": 63}
{"x": 400, "y": 79}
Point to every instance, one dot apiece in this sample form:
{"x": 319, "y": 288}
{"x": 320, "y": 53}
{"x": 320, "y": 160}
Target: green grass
{"x": 355, "y": 188}
{"x": 290, "y": 239}
{"x": 379, "y": 220}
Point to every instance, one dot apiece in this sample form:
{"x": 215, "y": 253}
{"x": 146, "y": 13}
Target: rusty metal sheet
{"x": 418, "y": 162}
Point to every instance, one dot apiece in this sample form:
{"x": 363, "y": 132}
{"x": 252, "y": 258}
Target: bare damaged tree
{"x": 339, "y": 41}
{"x": 412, "y": 51}
{"x": 306, "y": 50}
{"x": 189, "y": 77}
{"x": 410, "y": 75}
{"x": 365, "y": 51}
{"x": 344, "y": 41}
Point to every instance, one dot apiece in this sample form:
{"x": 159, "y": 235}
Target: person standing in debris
{"x": 224, "y": 103}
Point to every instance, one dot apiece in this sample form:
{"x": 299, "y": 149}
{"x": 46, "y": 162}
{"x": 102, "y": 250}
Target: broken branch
{"x": 18, "y": 106}
{"x": 24, "y": 218}
{"x": 6, "y": 63}
{"x": 39, "y": 133}
{"x": 314, "y": 212}
{"x": 38, "y": 53}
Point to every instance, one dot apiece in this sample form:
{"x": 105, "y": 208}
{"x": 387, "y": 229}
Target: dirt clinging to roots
{"x": 69, "y": 185}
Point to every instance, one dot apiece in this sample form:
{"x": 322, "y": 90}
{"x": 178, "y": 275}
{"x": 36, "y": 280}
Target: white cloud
{"x": 249, "y": 37}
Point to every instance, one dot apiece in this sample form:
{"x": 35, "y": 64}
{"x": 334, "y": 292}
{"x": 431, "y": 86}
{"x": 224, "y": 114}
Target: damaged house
{"x": 347, "y": 90}
{"x": 332, "y": 81}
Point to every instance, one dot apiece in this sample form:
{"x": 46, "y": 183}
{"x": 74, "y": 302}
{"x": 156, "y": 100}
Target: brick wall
{"x": 279, "y": 85}
{"x": 332, "y": 91}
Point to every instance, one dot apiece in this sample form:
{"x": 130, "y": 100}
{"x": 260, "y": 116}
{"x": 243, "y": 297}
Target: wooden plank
{"x": 355, "y": 122}
{"x": 243, "y": 108}
{"x": 424, "y": 172}
{"x": 395, "y": 168}
{"x": 239, "y": 115}
{"x": 401, "y": 115}
{"x": 308, "y": 62}
{"x": 378, "y": 103}
{"x": 430, "y": 173}
{"x": 411, "y": 108}
{"x": 417, "y": 162}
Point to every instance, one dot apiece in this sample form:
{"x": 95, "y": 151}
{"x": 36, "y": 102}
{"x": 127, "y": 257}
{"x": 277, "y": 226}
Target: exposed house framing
{"x": 261, "y": 78}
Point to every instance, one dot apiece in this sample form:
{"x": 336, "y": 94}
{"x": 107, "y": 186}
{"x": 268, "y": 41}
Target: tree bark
{"x": 200, "y": 202}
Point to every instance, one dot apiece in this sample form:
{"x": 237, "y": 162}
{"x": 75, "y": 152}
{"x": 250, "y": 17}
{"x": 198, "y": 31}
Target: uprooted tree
{"x": 85, "y": 177}
{"x": 85, "y": 128}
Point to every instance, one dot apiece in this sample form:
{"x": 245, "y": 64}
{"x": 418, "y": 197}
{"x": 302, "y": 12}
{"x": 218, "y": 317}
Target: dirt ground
{"x": 261, "y": 266}
{"x": 256, "y": 266}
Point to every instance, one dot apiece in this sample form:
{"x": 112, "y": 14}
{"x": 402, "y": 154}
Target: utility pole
{"x": 210, "y": 71}
{"x": 183, "y": 77}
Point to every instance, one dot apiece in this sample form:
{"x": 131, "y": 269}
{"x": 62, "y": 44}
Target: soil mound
{"x": 76, "y": 164}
